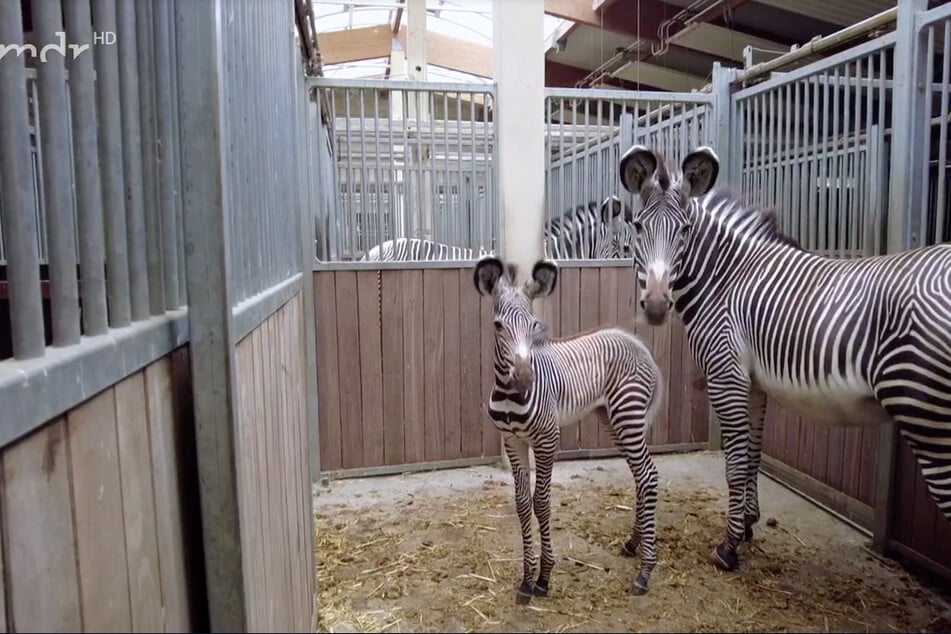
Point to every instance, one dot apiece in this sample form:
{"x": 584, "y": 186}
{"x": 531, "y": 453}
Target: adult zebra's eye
{"x": 638, "y": 227}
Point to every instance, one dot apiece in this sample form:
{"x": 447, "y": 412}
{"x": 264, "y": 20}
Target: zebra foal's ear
{"x": 610, "y": 208}
{"x": 700, "y": 169}
{"x": 636, "y": 168}
{"x": 488, "y": 272}
{"x": 544, "y": 278}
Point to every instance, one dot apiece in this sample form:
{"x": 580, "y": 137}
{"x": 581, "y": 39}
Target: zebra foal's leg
{"x": 757, "y": 412}
{"x": 544, "y": 463}
{"x": 517, "y": 451}
{"x": 730, "y": 400}
{"x": 630, "y": 435}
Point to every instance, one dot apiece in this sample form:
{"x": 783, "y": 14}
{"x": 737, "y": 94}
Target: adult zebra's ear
{"x": 544, "y": 278}
{"x": 636, "y": 168}
{"x": 700, "y": 169}
{"x": 488, "y": 272}
{"x": 610, "y": 208}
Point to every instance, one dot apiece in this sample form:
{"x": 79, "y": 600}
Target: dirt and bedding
{"x": 445, "y": 561}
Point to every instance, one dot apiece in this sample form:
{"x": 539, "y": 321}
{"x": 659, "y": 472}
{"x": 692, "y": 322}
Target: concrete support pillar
{"x": 519, "y": 70}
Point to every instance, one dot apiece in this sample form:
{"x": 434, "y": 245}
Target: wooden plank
{"x": 139, "y": 508}
{"x": 820, "y": 463}
{"x": 281, "y": 386}
{"x": 174, "y": 572}
{"x": 607, "y": 316}
{"x": 470, "y": 346}
{"x": 413, "y": 365}
{"x": 259, "y": 499}
{"x": 852, "y": 463}
{"x": 660, "y": 431}
{"x": 453, "y": 358}
{"x": 3, "y": 569}
{"x": 922, "y": 537}
{"x": 491, "y": 443}
{"x": 328, "y": 388}
{"x": 942, "y": 541}
{"x": 570, "y": 297}
{"x": 371, "y": 366}
{"x": 43, "y": 581}
{"x": 699, "y": 404}
{"x": 903, "y": 507}
{"x": 248, "y": 471}
{"x": 588, "y": 318}
{"x": 836, "y": 457}
{"x": 677, "y": 428}
{"x": 98, "y": 459}
{"x": 792, "y": 441}
{"x": 348, "y": 362}
{"x": 392, "y": 365}
{"x": 293, "y": 467}
{"x": 434, "y": 357}
{"x": 869, "y": 468}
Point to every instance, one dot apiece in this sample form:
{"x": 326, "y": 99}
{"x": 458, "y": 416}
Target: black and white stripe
{"x": 596, "y": 231}
{"x": 543, "y": 384}
{"x": 842, "y": 342}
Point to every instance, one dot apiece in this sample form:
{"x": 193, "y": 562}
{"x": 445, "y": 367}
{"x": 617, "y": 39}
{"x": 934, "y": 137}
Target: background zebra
{"x": 543, "y": 384}
{"x": 596, "y": 231}
{"x": 841, "y": 342}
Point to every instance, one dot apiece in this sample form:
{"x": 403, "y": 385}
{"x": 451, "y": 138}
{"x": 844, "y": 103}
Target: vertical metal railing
{"x": 587, "y": 131}
{"x": 89, "y": 190}
{"x": 813, "y": 143}
{"x": 934, "y": 30}
{"x": 410, "y": 159}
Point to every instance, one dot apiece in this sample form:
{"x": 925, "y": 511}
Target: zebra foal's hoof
{"x": 629, "y": 548}
{"x": 524, "y": 593}
{"x": 638, "y": 586}
{"x": 540, "y": 589}
{"x": 724, "y": 558}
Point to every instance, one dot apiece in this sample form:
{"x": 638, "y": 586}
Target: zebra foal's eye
{"x": 498, "y": 325}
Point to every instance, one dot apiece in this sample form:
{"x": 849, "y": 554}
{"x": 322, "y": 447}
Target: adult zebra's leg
{"x": 541, "y": 500}
{"x": 729, "y": 397}
{"x": 517, "y": 452}
{"x": 754, "y": 452}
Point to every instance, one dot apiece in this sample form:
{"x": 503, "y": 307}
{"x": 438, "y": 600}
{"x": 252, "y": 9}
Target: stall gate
{"x": 405, "y": 347}
{"x": 825, "y": 144}
{"x": 156, "y": 330}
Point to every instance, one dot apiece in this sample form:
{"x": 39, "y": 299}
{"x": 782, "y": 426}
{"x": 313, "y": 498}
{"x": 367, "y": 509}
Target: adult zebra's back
{"x": 842, "y": 342}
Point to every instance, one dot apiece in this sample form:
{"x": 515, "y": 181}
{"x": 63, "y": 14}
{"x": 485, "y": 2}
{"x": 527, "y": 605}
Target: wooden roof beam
{"x": 354, "y": 45}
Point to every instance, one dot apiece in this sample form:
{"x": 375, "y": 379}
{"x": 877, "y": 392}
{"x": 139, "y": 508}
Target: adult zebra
{"x": 595, "y": 231}
{"x": 842, "y": 342}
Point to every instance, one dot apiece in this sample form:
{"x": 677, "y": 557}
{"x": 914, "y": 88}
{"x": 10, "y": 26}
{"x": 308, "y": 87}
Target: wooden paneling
{"x": 844, "y": 459}
{"x": 918, "y": 523}
{"x": 414, "y": 348}
{"x": 82, "y": 522}
{"x": 272, "y": 463}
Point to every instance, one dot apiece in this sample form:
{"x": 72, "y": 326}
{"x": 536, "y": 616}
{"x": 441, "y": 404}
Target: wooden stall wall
{"x": 920, "y": 531}
{"x": 273, "y": 473}
{"x": 836, "y": 466}
{"x": 99, "y": 513}
{"x": 404, "y": 365}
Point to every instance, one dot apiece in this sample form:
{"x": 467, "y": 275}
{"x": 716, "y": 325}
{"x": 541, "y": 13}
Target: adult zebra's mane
{"x": 734, "y": 208}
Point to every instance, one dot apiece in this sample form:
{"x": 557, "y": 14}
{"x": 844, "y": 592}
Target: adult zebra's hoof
{"x": 524, "y": 593}
{"x": 638, "y": 586}
{"x": 540, "y": 589}
{"x": 724, "y": 558}
{"x": 629, "y": 548}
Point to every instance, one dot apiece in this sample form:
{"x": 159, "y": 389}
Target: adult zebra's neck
{"x": 729, "y": 238}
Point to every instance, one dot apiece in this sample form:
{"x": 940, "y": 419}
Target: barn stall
{"x": 404, "y": 352}
{"x": 154, "y": 445}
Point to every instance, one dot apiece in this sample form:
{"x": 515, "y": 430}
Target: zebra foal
{"x": 842, "y": 342}
{"x": 544, "y": 383}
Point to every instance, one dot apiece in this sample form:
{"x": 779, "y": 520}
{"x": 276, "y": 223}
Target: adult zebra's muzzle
{"x": 523, "y": 375}
{"x": 656, "y": 308}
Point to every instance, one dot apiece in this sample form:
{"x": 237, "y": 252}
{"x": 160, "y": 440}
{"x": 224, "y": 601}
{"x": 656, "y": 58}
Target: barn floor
{"x": 440, "y": 551}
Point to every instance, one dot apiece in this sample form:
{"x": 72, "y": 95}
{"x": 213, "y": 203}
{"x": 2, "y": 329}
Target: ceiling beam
{"x": 354, "y": 45}
{"x": 456, "y": 54}
{"x": 663, "y": 78}
{"x": 720, "y": 42}
{"x": 558, "y": 75}
{"x": 600, "y": 4}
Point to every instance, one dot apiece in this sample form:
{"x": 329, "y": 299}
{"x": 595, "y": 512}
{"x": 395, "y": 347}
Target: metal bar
{"x": 166, "y": 160}
{"x": 927, "y": 97}
{"x": 942, "y": 171}
{"x": 364, "y": 184}
{"x": 132, "y": 160}
{"x": 58, "y": 178}
{"x": 405, "y": 86}
{"x": 23, "y": 267}
{"x": 378, "y": 173}
{"x": 821, "y": 44}
{"x": 110, "y": 148}
{"x": 86, "y": 165}
{"x": 176, "y": 152}
{"x": 38, "y": 179}
{"x": 211, "y": 348}
{"x": 629, "y": 95}
{"x": 67, "y": 376}
{"x": 924, "y": 19}
{"x": 860, "y": 50}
